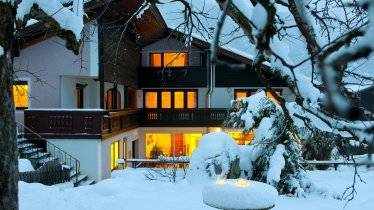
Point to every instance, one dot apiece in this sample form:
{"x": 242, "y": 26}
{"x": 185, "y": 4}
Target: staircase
{"x": 39, "y": 151}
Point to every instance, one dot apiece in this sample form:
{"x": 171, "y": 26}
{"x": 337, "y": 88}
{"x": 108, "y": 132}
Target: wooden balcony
{"x": 102, "y": 124}
{"x": 80, "y": 123}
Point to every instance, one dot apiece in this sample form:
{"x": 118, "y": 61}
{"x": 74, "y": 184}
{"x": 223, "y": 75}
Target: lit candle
{"x": 242, "y": 183}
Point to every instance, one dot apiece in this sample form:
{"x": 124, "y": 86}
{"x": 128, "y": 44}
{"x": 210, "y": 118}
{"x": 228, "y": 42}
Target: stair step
{"x": 87, "y": 182}
{"x": 46, "y": 159}
{"x": 25, "y": 145}
{"x": 80, "y": 179}
{"x": 40, "y": 155}
{"x": 22, "y": 140}
{"x": 32, "y": 150}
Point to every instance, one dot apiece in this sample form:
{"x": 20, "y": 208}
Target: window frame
{"x": 23, "y": 82}
{"x": 159, "y": 97}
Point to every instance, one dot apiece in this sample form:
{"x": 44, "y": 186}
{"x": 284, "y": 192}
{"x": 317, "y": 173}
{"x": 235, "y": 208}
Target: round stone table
{"x": 239, "y": 194}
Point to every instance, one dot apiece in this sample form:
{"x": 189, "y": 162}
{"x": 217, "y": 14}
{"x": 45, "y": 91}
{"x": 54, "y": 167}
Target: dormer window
{"x": 168, "y": 59}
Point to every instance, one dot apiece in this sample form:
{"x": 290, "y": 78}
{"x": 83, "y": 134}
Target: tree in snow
{"x": 62, "y": 17}
{"x": 275, "y": 156}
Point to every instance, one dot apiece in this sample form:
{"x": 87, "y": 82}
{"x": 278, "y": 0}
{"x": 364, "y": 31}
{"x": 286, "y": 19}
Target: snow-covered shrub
{"x": 273, "y": 155}
{"x": 217, "y": 153}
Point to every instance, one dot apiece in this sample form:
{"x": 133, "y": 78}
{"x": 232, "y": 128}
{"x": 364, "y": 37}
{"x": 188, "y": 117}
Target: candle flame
{"x": 242, "y": 183}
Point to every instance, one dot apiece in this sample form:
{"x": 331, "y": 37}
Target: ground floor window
{"x": 114, "y": 154}
{"x": 244, "y": 93}
{"x": 171, "y": 144}
{"x": 240, "y": 138}
{"x": 21, "y": 94}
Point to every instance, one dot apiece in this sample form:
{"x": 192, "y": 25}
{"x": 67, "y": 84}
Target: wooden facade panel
{"x": 172, "y": 77}
{"x": 228, "y": 77}
{"x": 120, "y": 58}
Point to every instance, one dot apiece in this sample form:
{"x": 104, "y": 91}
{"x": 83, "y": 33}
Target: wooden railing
{"x": 94, "y": 124}
{"x": 121, "y": 120}
{"x": 183, "y": 117}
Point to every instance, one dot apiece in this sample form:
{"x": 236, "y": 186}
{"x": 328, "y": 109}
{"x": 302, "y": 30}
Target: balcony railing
{"x": 183, "y": 117}
{"x": 96, "y": 124}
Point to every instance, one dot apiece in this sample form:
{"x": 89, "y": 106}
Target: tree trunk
{"x": 8, "y": 141}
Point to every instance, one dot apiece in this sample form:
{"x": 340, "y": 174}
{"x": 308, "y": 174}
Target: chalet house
{"x": 137, "y": 96}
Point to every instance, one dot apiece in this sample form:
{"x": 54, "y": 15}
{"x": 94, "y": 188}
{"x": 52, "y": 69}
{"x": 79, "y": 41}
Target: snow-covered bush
{"x": 274, "y": 155}
{"x": 217, "y": 153}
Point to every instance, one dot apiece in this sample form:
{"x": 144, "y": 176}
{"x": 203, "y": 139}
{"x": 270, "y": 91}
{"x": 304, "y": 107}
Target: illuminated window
{"x": 191, "y": 99}
{"x": 175, "y": 59}
{"x": 241, "y": 138}
{"x": 114, "y": 154}
{"x": 268, "y": 94}
{"x": 240, "y": 94}
{"x": 21, "y": 94}
{"x": 150, "y": 99}
{"x": 161, "y": 144}
{"x": 158, "y": 144}
{"x": 170, "y": 59}
{"x": 156, "y": 59}
{"x": 165, "y": 99}
{"x": 190, "y": 143}
{"x": 246, "y": 93}
{"x": 178, "y": 99}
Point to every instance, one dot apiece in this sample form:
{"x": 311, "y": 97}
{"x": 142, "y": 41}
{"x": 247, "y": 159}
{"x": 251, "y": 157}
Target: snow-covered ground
{"x": 129, "y": 190}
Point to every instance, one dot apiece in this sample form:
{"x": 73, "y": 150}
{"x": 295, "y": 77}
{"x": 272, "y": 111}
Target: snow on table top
{"x": 255, "y": 195}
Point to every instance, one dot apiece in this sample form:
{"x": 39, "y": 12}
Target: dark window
{"x": 79, "y": 93}
{"x": 109, "y": 99}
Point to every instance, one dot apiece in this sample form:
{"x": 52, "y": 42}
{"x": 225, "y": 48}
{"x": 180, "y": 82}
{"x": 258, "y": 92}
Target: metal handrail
{"x": 58, "y": 153}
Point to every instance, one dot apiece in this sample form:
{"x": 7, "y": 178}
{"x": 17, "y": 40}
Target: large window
{"x": 168, "y": 59}
{"x": 21, "y": 94}
{"x": 166, "y": 99}
{"x": 114, "y": 154}
{"x": 168, "y": 144}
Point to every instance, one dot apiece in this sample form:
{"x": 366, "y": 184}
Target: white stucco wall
{"x": 129, "y": 136}
{"x": 49, "y": 59}
{"x": 68, "y": 98}
{"x": 87, "y": 151}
